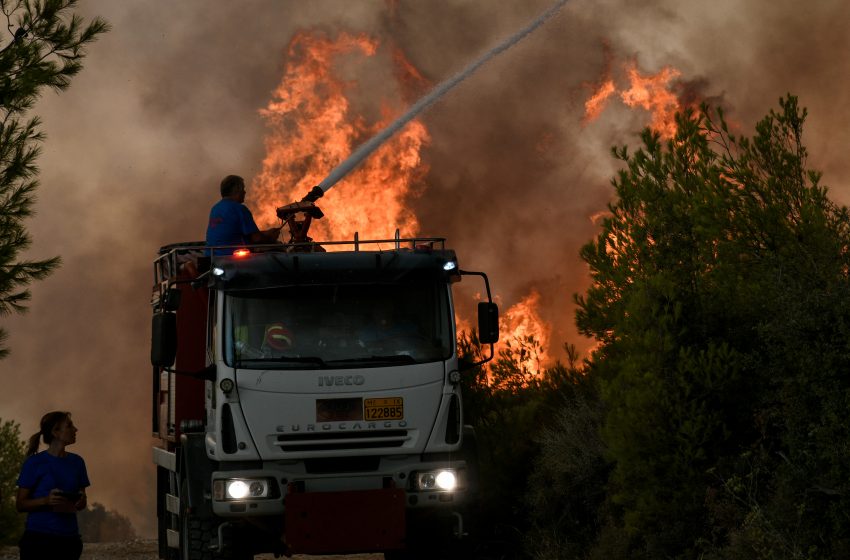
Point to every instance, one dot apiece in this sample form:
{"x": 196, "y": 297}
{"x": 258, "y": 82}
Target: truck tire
{"x": 198, "y": 534}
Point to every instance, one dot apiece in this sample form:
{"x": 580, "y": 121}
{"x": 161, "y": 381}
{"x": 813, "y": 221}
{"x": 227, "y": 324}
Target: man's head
{"x": 233, "y": 187}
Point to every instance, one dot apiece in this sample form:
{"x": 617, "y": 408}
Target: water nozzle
{"x": 304, "y": 206}
{"x": 315, "y": 194}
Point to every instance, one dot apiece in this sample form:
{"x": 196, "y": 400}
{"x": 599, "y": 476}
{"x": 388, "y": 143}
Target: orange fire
{"x": 312, "y": 129}
{"x": 521, "y": 321}
{"x": 652, "y": 92}
{"x": 594, "y": 106}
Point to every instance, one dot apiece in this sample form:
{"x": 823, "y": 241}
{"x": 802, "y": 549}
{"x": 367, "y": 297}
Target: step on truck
{"x": 306, "y": 398}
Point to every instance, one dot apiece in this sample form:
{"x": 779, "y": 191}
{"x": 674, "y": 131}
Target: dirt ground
{"x": 146, "y": 550}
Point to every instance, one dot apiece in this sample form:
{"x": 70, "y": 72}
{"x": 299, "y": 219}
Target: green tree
{"x": 566, "y": 487}
{"x": 509, "y": 405}
{"x": 719, "y": 299}
{"x": 98, "y": 524}
{"x": 11, "y": 458}
{"x": 43, "y": 46}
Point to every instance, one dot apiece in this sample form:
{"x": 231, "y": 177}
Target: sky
{"x": 170, "y": 101}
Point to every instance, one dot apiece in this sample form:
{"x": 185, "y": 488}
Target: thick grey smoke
{"x": 432, "y": 97}
{"x": 167, "y": 104}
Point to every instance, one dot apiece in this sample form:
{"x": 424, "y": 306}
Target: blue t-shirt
{"x": 42, "y": 473}
{"x": 231, "y": 223}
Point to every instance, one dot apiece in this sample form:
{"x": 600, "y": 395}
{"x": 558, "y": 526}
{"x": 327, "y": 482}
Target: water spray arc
{"x": 297, "y": 216}
{"x": 439, "y": 91}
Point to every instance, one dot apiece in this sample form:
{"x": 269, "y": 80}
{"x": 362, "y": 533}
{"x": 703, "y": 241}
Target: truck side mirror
{"x": 164, "y": 339}
{"x": 488, "y": 322}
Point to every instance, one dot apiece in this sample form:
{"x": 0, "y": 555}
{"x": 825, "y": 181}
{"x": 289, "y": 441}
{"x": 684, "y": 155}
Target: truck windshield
{"x": 338, "y": 326}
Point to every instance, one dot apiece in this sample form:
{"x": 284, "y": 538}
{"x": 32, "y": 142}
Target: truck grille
{"x": 335, "y": 465}
{"x": 341, "y": 441}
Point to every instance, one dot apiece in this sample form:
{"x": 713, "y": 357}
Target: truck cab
{"x": 306, "y": 398}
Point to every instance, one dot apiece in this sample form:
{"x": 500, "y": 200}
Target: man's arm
{"x": 266, "y": 236}
{"x": 252, "y": 233}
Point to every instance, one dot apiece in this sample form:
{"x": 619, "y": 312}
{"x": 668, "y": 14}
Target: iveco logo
{"x": 333, "y": 380}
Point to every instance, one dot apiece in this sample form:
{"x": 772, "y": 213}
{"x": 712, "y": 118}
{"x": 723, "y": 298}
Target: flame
{"x": 652, "y": 92}
{"x": 312, "y": 129}
{"x": 521, "y": 321}
{"x": 463, "y": 324}
{"x": 596, "y": 103}
{"x": 412, "y": 82}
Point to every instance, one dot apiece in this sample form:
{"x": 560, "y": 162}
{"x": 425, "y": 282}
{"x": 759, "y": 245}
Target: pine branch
{"x": 46, "y": 47}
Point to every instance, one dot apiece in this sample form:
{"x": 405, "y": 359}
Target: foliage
{"x": 12, "y": 449}
{"x": 719, "y": 298}
{"x": 566, "y": 489}
{"x": 44, "y": 46}
{"x": 508, "y": 405}
{"x": 98, "y": 524}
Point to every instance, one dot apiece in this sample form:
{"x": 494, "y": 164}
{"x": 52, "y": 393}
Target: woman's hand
{"x": 82, "y": 502}
{"x": 55, "y": 501}
{"x": 59, "y": 503}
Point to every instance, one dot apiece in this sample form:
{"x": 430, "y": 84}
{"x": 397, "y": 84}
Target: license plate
{"x": 391, "y": 408}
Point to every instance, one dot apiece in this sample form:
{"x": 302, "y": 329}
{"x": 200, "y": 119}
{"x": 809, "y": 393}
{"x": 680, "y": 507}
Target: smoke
{"x": 433, "y": 96}
{"x": 168, "y": 104}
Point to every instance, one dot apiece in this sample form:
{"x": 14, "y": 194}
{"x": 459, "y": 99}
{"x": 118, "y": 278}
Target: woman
{"x": 51, "y": 489}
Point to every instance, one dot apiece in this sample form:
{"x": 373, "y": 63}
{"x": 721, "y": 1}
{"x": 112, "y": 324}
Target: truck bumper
{"x": 293, "y": 479}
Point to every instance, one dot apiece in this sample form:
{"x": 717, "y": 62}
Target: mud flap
{"x": 338, "y": 522}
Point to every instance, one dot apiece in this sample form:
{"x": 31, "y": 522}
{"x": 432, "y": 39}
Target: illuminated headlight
{"x": 240, "y": 489}
{"x": 449, "y": 265}
{"x": 218, "y": 271}
{"x": 444, "y": 480}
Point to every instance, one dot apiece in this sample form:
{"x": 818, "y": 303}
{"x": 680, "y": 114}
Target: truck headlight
{"x": 241, "y": 489}
{"x": 444, "y": 480}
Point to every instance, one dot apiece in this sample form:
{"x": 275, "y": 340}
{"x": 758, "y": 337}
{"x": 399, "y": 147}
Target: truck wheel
{"x": 198, "y": 534}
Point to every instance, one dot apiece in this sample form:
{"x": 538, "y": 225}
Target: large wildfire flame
{"x": 652, "y": 92}
{"x": 312, "y": 128}
{"x": 517, "y": 324}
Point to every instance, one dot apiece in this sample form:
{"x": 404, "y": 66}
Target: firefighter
{"x": 231, "y": 223}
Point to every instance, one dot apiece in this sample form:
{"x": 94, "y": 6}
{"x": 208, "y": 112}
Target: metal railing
{"x": 172, "y": 257}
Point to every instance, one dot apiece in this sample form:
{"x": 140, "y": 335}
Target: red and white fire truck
{"x": 306, "y": 397}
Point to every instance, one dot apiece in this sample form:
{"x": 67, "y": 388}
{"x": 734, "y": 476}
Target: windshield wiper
{"x": 296, "y": 359}
{"x": 392, "y": 359}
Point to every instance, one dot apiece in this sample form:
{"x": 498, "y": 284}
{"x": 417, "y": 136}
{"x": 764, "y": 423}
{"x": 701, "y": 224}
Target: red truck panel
{"x": 337, "y": 522}
{"x": 191, "y": 354}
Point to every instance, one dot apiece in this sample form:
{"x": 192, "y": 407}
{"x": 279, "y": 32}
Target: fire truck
{"x": 306, "y": 397}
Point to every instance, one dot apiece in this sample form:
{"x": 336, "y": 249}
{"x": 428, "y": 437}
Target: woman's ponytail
{"x": 32, "y": 444}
